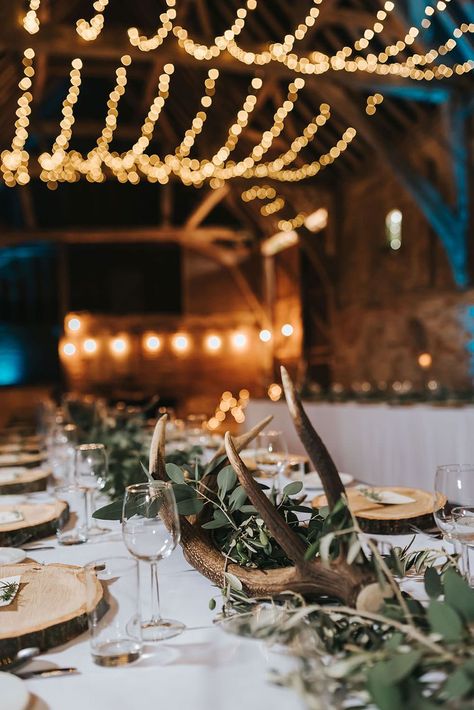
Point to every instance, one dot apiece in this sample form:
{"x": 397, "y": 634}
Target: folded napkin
{"x": 9, "y": 587}
{"x": 10, "y": 516}
{"x": 384, "y": 497}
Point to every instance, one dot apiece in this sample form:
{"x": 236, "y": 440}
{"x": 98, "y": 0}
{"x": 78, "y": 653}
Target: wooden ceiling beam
{"x": 207, "y": 204}
{"x": 181, "y": 235}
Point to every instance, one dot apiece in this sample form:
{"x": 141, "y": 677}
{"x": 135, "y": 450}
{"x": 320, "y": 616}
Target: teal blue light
{"x": 11, "y": 359}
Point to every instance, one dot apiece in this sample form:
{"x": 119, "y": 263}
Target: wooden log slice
{"x": 389, "y": 519}
{"x": 50, "y": 607}
{"x": 21, "y": 459}
{"x": 39, "y": 520}
{"x": 30, "y": 480}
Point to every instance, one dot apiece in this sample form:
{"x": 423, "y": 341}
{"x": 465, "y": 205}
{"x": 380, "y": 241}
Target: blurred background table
{"x": 378, "y": 443}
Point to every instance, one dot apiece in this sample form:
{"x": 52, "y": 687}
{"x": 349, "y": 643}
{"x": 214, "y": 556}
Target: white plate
{"x": 13, "y": 692}
{"x": 312, "y": 481}
{"x": 13, "y": 499}
{"x": 11, "y": 555}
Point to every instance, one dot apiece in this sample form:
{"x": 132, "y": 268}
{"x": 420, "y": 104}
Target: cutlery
{"x": 40, "y": 547}
{"x": 50, "y": 673}
{"x": 24, "y": 656}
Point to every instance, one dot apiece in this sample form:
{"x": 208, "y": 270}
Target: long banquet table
{"x": 378, "y": 443}
{"x": 201, "y": 669}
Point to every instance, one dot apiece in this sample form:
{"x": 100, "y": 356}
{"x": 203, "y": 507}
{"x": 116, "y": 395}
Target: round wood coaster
{"x": 39, "y": 520}
{"x": 28, "y": 480}
{"x": 389, "y": 519}
{"x": 50, "y": 607}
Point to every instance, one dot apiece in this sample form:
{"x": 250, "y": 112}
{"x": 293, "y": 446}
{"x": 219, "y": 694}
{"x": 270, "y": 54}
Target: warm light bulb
{"x": 425, "y": 360}
{"x": 180, "y": 343}
{"x": 69, "y": 349}
{"x": 119, "y": 346}
{"x": 275, "y": 392}
{"x": 90, "y": 346}
{"x": 287, "y": 330}
{"x": 152, "y": 343}
{"x": 213, "y": 343}
{"x": 74, "y": 324}
{"x": 239, "y": 341}
{"x": 265, "y": 335}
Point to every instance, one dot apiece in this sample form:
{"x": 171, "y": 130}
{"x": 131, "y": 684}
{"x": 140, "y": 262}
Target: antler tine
{"x": 240, "y": 442}
{"x": 312, "y": 442}
{"x": 157, "y": 450}
{"x": 281, "y": 531}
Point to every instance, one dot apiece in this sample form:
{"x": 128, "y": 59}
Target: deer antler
{"x": 279, "y": 528}
{"x": 312, "y": 442}
{"x": 156, "y": 465}
{"x": 350, "y": 583}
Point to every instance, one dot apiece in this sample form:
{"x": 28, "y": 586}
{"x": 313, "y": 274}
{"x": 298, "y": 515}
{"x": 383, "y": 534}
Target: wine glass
{"x": 151, "y": 531}
{"x": 271, "y": 455}
{"x": 463, "y": 519}
{"x": 91, "y": 474}
{"x": 454, "y": 486}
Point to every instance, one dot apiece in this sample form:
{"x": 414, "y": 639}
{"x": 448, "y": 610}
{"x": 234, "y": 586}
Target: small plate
{"x": 11, "y": 556}
{"x": 312, "y": 481}
{"x": 13, "y": 692}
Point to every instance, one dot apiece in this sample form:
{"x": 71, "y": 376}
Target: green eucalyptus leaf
{"x": 112, "y": 511}
{"x": 237, "y": 498}
{"x": 248, "y": 509}
{"x": 400, "y": 666}
{"x": 457, "y": 685}
{"x": 458, "y": 594}
{"x": 233, "y": 581}
{"x": 226, "y": 480}
{"x": 386, "y": 697}
{"x": 190, "y": 506}
{"x": 433, "y": 585}
{"x": 215, "y": 524}
{"x": 445, "y": 621}
{"x": 212, "y": 604}
{"x": 291, "y": 489}
{"x": 175, "y": 473}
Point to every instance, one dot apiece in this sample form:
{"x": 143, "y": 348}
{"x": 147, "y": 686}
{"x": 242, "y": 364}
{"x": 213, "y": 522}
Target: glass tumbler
{"x": 72, "y": 531}
{"x": 114, "y": 623}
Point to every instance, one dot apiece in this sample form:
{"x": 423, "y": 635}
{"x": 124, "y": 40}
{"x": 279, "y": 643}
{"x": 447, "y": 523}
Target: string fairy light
{"x": 31, "y": 22}
{"x": 62, "y": 164}
{"x": 90, "y": 30}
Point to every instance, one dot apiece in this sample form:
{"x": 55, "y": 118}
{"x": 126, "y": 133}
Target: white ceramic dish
{"x": 11, "y": 555}
{"x": 13, "y": 692}
{"x": 312, "y": 481}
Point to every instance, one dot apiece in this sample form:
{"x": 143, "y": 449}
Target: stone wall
{"x": 391, "y": 306}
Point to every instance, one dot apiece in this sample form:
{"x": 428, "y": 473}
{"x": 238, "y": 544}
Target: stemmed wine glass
{"x": 271, "y": 455}
{"x": 91, "y": 474}
{"x": 463, "y": 517}
{"x": 151, "y": 531}
{"x": 454, "y": 487}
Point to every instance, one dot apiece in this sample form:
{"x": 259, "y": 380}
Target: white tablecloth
{"x": 203, "y": 669}
{"x": 378, "y": 443}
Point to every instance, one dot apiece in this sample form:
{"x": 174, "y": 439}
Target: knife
{"x": 50, "y": 673}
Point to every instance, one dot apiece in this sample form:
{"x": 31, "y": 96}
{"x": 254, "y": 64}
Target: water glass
{"x": 114, "y": 623}
{"x": 91, "y": 474}
{"x": 463, "y": 531}
{"x": 151, "y": 531}
{"x": 61, "y": 444}
{"x": 454, "y": 486}
{"x": 74, "y": 530}
{"x": 271, "y": 455}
